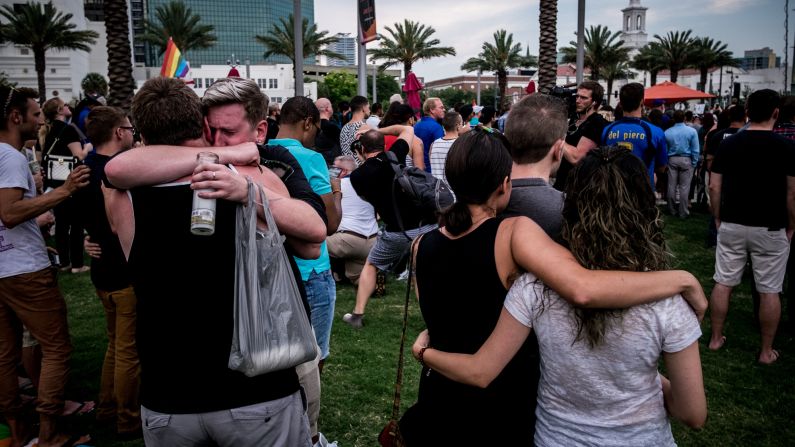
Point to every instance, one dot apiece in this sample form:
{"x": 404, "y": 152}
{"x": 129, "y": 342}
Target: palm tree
{"x": 616, "y": 70}
{"x": 178, "y": 21}
{"x": 117, "y": 29}
{"x": 603, "y": 48}
{"x": 709, "y": 53}
{"x": 677, "y": 51}
{"x": 41, "y": 28}
{"x": 548, "y": 45}
{"x": 498, "y": 57}
{"x": 408, "y": 43}
{"x": 649, "y": 58}
{"x": 281, "y": 40}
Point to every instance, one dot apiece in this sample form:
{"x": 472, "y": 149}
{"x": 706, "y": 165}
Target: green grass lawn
{"x": 748, "y": 404}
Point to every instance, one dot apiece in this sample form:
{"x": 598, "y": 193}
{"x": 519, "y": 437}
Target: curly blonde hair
{"x": 611, "y": 222}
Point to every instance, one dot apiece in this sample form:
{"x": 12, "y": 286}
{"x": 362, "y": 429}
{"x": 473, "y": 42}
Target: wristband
{"x": 421, "y": 357}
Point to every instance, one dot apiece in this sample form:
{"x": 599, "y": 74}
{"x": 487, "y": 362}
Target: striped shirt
{"x": 439, "y": 150}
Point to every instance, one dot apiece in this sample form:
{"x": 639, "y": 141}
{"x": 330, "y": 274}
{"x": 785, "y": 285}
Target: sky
{"x": 466, "y": 24}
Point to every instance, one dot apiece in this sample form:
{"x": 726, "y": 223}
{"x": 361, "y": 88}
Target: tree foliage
{"x": 603, "y": 49}
{"x": 94, "y": 83}
{"x": 339, "y": 85}
{"x": 407, "y": 43}
{"x": 649, "y": 58}
{"x": 385, "y": 86}
{"x": 677, "y": 51}
{"x": 281, "y": 41}
{"x": 498, "y": 57}
{"x": 708, "y": 53}
{"x": 177, "y": 21}
{"x": 42, "y": 27}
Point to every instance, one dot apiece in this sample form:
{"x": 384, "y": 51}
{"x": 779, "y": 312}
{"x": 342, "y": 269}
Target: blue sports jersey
{"x": 635, "y": 135}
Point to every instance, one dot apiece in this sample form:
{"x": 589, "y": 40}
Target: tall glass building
{"x": 236, "y": 23}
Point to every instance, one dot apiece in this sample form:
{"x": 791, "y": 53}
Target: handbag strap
{"x": 399, "y": 379}
{"x": 57, "y": 137}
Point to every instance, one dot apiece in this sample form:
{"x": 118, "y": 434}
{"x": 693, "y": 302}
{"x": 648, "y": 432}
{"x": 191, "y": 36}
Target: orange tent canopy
{"x": 672, "y": 92}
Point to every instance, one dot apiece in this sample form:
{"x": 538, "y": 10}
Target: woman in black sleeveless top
{"x": 463, "y": 273}
{"x": 461, "y": 295}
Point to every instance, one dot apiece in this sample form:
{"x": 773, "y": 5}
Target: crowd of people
{"x": 538, "y": 286}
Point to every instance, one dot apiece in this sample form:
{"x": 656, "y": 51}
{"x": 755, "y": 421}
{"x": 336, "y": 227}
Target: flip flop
{"x": 76, "y": 440}
{"x": 722, "y": 343}
{"x": 82, "y": 409}
{"x": 73, "y": 441}
{"x": 776, "y": 356}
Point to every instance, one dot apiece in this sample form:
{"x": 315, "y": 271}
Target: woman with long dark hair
{"x": 599, "y": 379}
{"x": 403, "y": 114}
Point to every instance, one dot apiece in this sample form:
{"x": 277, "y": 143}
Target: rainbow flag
{"x": 174, "y": 65}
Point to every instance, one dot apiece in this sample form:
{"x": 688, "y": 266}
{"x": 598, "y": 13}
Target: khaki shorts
{"x": 769, "y": 250}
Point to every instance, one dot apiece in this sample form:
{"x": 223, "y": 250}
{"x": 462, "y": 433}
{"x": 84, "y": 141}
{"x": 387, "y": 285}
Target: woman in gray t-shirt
{"x": 599, "y": 379}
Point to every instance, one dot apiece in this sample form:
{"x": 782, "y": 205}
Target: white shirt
{"x": 357, "y": 215}
{"x": 22, "y": 248}
{"x": 373, "y": 121}
{"x": 609, "y": 395}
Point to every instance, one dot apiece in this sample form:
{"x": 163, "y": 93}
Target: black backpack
{"x": 426, "y": 192}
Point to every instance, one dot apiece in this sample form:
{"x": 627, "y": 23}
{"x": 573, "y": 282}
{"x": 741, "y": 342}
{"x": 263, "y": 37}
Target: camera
{"x": 569, "y": 96}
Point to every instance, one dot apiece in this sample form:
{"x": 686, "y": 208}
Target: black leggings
{"x": 69, "y": 233}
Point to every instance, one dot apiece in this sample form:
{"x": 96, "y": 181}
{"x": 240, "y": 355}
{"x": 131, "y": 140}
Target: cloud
{"x": 729, "y": 6}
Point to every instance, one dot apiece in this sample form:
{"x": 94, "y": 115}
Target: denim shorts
{"x": 321, "y": 293}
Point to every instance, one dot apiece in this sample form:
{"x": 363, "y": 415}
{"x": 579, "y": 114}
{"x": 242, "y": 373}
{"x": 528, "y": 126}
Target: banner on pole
{"x": 367, "y": 20}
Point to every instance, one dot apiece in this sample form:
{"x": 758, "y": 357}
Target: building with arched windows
{"x": 633, "y": 28}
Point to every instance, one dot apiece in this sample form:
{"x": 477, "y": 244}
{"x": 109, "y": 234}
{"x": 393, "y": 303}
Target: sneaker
{"x": 404, "y": 276}
{"x": 354, "y": 320}
{"x": 82, "y": 269}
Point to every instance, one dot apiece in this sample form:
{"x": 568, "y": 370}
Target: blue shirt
{"x": 428, "y": 130}
{"x": 683, "y": 142}
{"x": 630, "y": 133}
{"x": 314, "y": 167}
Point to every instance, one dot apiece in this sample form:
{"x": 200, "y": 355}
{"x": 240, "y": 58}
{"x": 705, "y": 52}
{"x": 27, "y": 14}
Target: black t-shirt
{"x": 109, "y": 271}
{"x": 185, "y": 286}
{"x": 754, "y": 165}
{"x": 327, "y": 141}
{"x": 373, "y": 181}
{"x": 714, "y": 139}
{"x": 592, "y": 129}
{"x": 59, "y": 138}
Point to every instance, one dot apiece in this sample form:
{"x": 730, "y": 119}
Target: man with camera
{"x": 374, "y": 181}
{"x": 585, "y": 129}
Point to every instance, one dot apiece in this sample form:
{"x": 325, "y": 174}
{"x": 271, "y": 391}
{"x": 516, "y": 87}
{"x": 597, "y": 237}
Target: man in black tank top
{"x": 185, "y": 286}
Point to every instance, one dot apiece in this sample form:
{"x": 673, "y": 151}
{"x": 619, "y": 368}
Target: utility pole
{"x": 478, "y": 87}
{"x": 362, "y": 60}
{"x": 298, "y": 37}
{"x": 786, "y": 42}
{"x": 581, "y": 40}
{"x": 375, "y": 75}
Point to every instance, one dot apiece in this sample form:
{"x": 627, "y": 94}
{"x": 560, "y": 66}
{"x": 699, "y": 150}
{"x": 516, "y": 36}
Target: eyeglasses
{"x": 8, "y": 102}
{"x": 132, "y": 129}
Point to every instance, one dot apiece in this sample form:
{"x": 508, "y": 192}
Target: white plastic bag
{"x": 272, "y": 330}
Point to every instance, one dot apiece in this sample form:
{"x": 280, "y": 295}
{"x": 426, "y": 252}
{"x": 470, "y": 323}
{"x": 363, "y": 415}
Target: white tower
{"x": 633, "y": 28}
